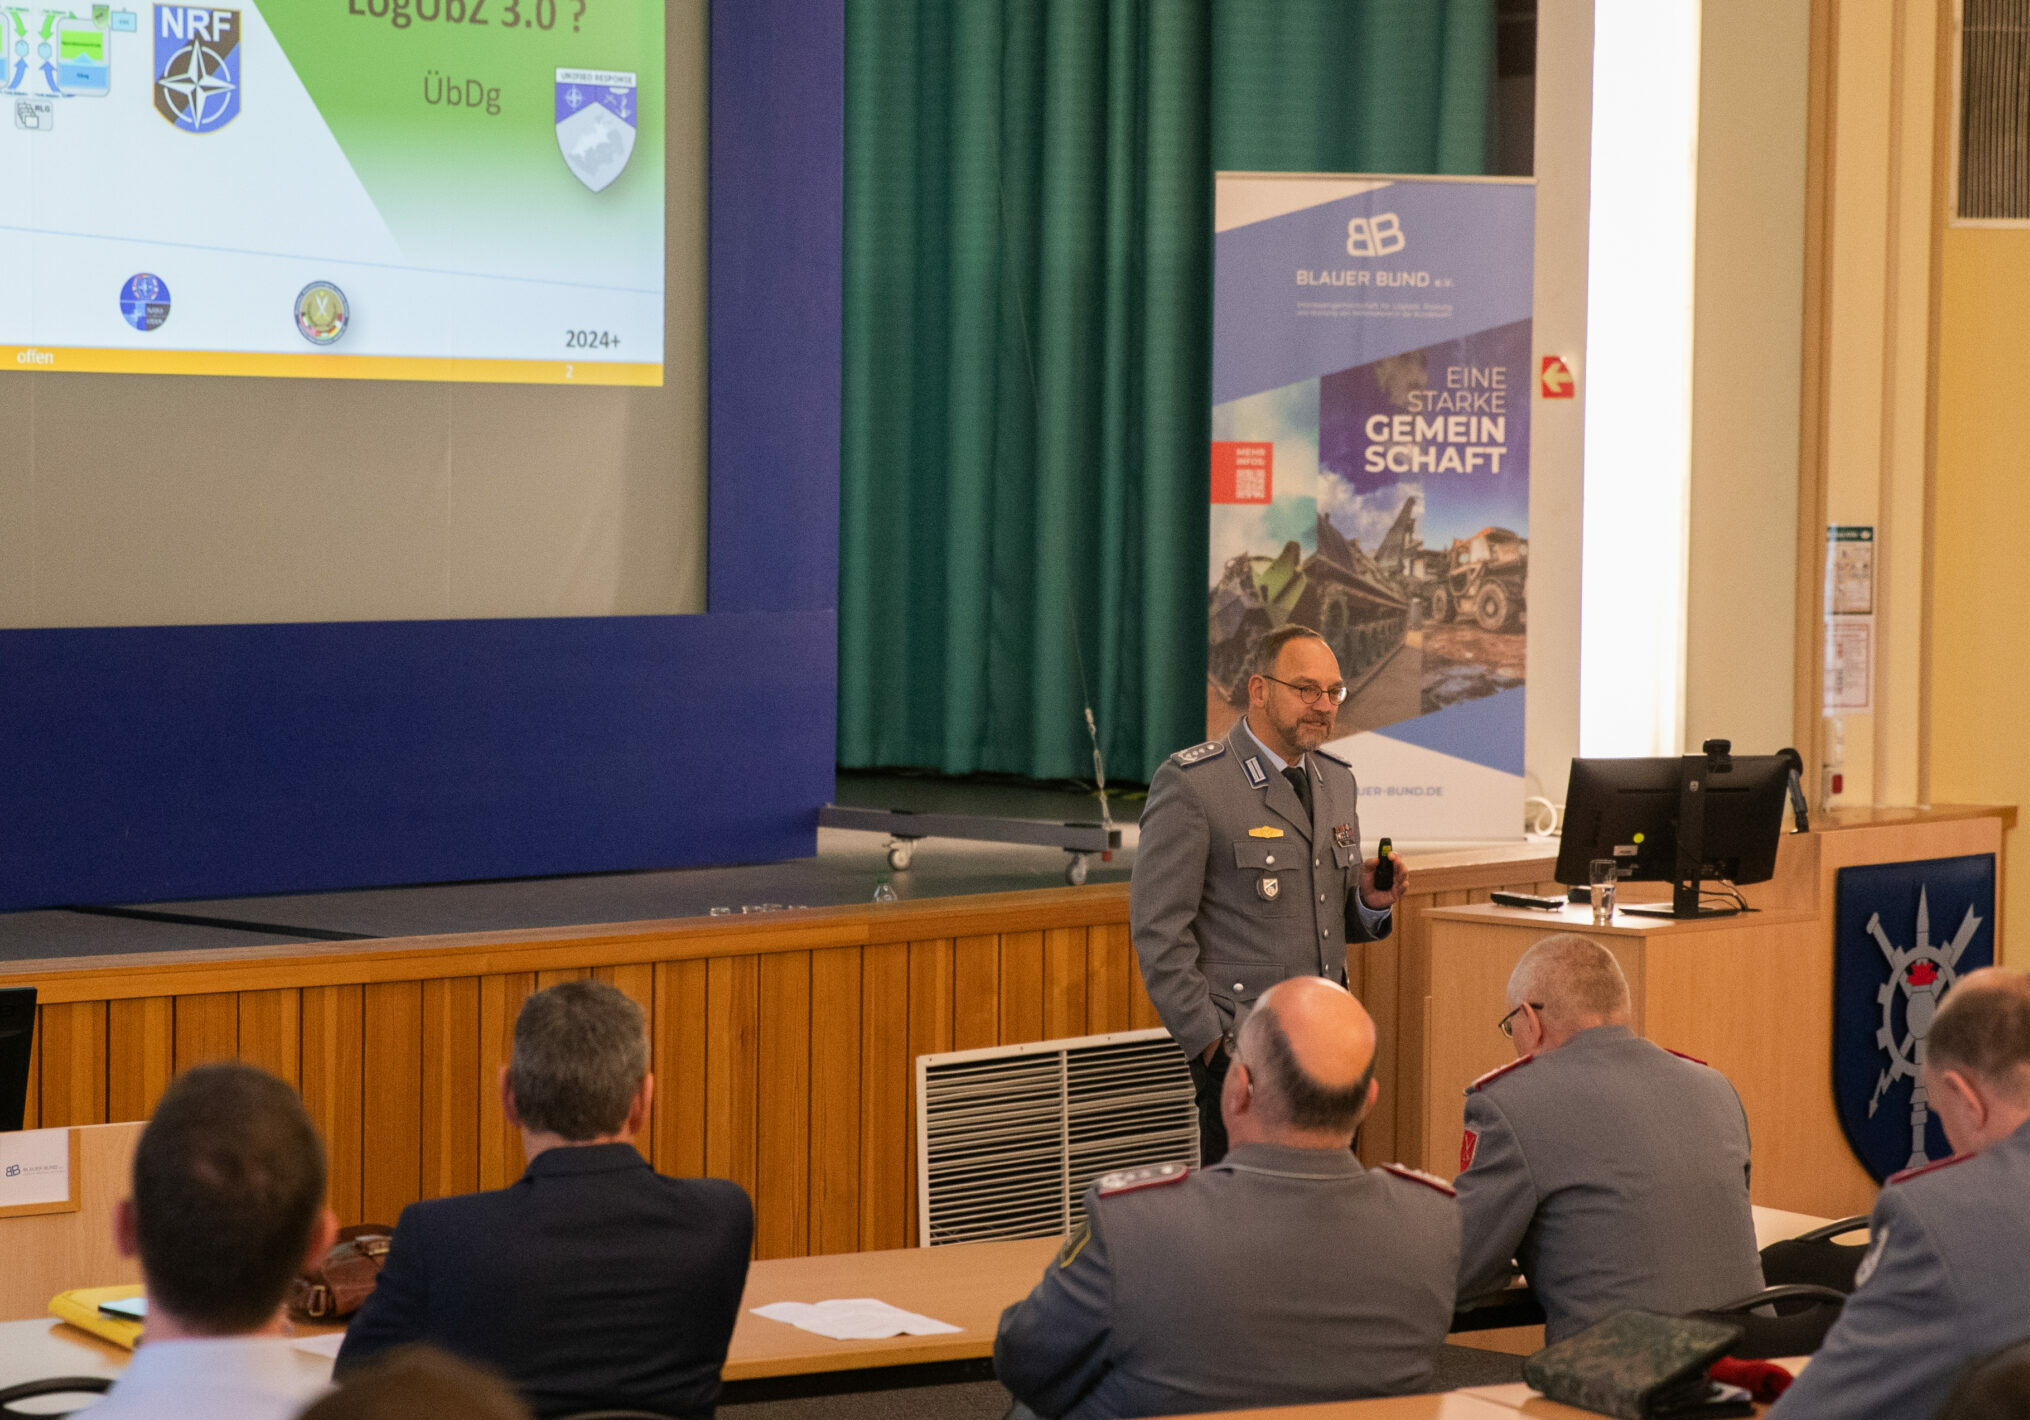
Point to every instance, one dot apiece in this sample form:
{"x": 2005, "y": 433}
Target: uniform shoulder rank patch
{"x": 1933, "y": 1167}
{"x": 1498, "y": 1071}
{"x": 1468, "y": 1142}
{"x": 1682, "y": 1056}
{"x": 1073, "y": 1245}
{"x": 1429, "y": 1180}
{"x": 1135, "y": 1180}
{"x": 1198, "y": 754}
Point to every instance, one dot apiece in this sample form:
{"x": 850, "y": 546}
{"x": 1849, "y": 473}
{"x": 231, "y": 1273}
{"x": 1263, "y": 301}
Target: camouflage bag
{"x": 1639, "y": 1366}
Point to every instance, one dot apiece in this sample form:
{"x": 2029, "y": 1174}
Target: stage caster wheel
{"x": 898, "y": 856}
{"x": 1074, "y": 871}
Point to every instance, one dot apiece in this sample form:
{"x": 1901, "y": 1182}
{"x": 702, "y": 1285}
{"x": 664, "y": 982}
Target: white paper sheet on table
{"x": 854, "y": 1319}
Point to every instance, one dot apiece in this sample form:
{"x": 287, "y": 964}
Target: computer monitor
{"x": 17, "y": 1037}
{"x": 1711, "y": 815}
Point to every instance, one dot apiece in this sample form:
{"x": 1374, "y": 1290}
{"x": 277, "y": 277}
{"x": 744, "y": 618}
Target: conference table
{"x": 966, "y": 1285}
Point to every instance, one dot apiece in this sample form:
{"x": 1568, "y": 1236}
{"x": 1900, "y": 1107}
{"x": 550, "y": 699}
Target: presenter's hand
{"x": 1383, "y": 901}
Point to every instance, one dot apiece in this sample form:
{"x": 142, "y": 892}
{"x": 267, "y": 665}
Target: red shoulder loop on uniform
{"x": 1682, "y": 1056}
{"x": 1135, "y": 1180}
{"x": 1933, "y": 1167}
{"x": 1498, "y": 1071}
{"x": 1419, "y": 1176}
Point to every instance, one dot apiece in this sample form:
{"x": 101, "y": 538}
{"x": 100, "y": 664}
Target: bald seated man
{"x": 1614, "y": 1171}
{"x": 1284, "y": 1273}
{"x": 1944, "y": 1279}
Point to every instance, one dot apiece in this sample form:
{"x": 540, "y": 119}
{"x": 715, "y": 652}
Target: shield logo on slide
{"x": 595, "y": 123}
{"x": 197, "y": 66}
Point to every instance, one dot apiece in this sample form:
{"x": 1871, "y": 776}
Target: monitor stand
{"x": 1685, "y": 904}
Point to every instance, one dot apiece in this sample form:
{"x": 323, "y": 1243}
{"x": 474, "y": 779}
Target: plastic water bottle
{"x": 884, "y": 891}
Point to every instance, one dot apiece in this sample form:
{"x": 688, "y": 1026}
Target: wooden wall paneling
{"x": 886, "y": 1086}
{"x": 546, "y": 979}
{"x": 1381, "y": 976}
{"x": 1064, "y": 982}
{"x": 207, "y": 1028}
{"x": 333, "y": 1067}
{"x": 930, "y": 1033}
{"x": 782, "y": 1194}
{"x": 976, "y": 992}
{"x": 835, "y": 1100}
{"x": 678, "y": 1144}
{"x": 1110, "y": 969}
{"x": 73, "y": 1060}
{"x": 271, "y": 1032}
{"x": 452, "y": 1095}
{"x": 392, "y": 1100}
{"x": 500, "y": 1146}
{"x": 1021, "y": 987}
{"x": 731, "y": 1064}
{"x": 140, "y": 1054}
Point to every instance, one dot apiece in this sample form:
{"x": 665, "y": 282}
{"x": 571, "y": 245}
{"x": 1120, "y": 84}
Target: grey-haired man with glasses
{"x": 1250, "y": 868}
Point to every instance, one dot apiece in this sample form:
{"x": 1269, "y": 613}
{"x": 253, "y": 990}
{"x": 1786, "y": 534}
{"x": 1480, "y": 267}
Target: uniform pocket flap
{"x": 1268, "y": 854}
{"x": 1241, "y": 981}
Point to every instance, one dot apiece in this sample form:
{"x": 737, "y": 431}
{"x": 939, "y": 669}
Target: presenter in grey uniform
{"x": 1613, "y": 1169}
{"x": 1943, "y": 1282}
{"x": 1249, "y": 869}
{"x": 1285, "y": 1273}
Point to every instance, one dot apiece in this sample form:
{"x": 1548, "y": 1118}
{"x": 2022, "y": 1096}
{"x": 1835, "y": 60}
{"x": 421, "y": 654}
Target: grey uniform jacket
{"x": 1275, "y": 1276}
{"x": 1234, "y": 889}
{"x": 1616, "y": 1173}
{"x": 1946, "y": 1280}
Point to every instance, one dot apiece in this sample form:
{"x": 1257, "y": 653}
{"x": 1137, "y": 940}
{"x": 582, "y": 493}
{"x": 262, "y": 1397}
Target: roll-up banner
{"x": 1370, "y": 474}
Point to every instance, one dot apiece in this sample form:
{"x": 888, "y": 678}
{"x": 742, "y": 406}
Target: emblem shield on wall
{"x": 1903, "y": 935}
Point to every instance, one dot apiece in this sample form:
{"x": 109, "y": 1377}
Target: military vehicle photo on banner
{"x": 1370, "y": 473}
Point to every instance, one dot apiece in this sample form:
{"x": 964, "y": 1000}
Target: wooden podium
{"x": 1751, "y": 995}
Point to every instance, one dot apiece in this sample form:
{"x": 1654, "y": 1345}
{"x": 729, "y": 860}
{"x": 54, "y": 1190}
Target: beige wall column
{"x": 1868, "y": 385}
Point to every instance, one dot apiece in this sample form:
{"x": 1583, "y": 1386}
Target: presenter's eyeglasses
{"x": 1309, "y": 694}
{"x": 1506, "y": 1025}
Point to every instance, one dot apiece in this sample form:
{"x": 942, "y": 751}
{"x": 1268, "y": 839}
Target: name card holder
{"x": 39, "y": 1172}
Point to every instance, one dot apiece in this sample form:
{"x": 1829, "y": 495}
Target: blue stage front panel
{"x": 141, "y": 763}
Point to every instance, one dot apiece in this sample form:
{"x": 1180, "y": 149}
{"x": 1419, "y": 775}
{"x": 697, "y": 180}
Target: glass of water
{"x": 1602, "y": 872}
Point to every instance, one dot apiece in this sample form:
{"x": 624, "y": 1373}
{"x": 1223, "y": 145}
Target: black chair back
{"x": 1780, "y": 1321}
{"x": 1815, "y": 1260}
{"x": 55, "y": 1385}
{"x": 1996, "y": 1387}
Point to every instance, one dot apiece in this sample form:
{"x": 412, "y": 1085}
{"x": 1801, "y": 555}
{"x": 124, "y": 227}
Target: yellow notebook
{"x": 80, "y": 1307}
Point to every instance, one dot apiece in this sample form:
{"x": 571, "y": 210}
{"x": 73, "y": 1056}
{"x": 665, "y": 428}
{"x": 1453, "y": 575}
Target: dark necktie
{"x": 1301, "y": 782}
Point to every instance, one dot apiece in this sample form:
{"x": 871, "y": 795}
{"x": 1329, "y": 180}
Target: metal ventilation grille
{"x": 1994, "y": 156}
{"x": 1010, "y": 1138}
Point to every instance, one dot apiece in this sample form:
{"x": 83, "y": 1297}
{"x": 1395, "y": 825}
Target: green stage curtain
{"x": 1027, "y": 339}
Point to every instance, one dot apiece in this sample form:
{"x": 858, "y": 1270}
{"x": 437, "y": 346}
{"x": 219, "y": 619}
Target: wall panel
{"x": 784, "y": 1046}
{"x": 73, "y": 1060}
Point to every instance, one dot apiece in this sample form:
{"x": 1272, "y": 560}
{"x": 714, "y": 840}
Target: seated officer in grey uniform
{"x": 1615, "y": 1171}
{"x": 1249, "y": 868}
{"x": 1286, "y": 1273}
{"x": 1944, "y": 1280}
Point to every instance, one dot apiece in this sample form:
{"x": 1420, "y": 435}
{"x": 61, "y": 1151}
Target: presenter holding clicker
{"x": 1250, "y": 868}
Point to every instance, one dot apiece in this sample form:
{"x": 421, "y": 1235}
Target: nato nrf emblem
{"x": 595, "y": 123}
{"x": 1903, "y": 934}
{"x": 197, "y": 66}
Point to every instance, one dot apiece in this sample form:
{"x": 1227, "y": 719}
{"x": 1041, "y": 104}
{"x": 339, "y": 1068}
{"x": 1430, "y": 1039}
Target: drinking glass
{"x": 1602, "y": 871}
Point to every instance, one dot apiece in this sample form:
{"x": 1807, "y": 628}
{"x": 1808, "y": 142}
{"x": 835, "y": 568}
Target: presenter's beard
{"x": 1311, "y": 731}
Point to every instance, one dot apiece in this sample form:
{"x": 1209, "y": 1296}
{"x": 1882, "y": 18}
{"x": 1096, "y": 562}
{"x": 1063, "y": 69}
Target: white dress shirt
{"x": 240, "y": 1377}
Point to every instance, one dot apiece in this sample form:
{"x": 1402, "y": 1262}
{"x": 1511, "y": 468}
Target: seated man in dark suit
{"x": 593, "y": 1282}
